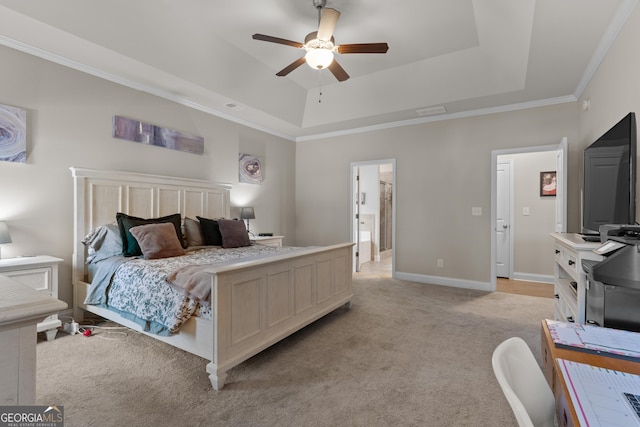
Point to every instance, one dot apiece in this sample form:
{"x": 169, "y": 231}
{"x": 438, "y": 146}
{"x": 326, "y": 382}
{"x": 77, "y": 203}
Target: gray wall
{"x": 69, "y": 124}
{"x": 443, "y": 170}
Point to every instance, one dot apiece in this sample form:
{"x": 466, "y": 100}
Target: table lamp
{"x": 5, "y": 237}
{"x": 247, "y": 213}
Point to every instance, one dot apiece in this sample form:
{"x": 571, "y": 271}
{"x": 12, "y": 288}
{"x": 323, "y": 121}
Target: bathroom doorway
{"x": 373, "y": 216}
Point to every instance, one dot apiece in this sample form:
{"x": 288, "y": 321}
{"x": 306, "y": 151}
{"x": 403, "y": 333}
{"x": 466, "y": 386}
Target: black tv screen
{"x": 609, "y": 192}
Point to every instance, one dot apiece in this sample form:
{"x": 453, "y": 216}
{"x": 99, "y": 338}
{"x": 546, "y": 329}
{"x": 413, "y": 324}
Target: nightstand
{"x": 40, "y": 273}
{"x": 268, "y": 240}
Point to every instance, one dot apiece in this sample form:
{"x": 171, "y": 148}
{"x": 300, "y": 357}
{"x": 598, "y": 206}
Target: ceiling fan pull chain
{"x": 320, "y": 87}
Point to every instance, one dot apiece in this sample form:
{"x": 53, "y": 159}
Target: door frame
{"x": 352, "y": 204}
{"x": 561, "y": 197}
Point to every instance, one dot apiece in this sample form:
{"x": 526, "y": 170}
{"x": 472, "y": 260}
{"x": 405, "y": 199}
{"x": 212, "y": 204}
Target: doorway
{"x": 373, "y": 216}
{"x": 521, "y": 180}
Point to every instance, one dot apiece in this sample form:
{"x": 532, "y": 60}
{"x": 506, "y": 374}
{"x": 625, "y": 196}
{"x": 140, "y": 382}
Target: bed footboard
{"x": 258, "y": 303}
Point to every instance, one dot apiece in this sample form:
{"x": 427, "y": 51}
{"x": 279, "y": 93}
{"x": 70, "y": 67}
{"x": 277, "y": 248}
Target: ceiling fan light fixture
{"x": 319, "y": 52}
{"x": 319, "y": 58}
{"x": 320, "y": 46}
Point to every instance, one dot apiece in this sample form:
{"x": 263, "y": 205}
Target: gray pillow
{"x": 192, "y": 233}
{"x": 103, "y": 242}
{"x": 234, "y": 233}
{"x": 157, "y": 240}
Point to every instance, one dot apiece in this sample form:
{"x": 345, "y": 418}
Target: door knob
{"x": 505, "y": 226}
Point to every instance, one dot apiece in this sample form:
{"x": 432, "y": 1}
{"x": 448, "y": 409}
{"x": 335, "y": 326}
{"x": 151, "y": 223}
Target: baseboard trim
{"x": 530, "y": 277}
{"x": 445, "y": 281}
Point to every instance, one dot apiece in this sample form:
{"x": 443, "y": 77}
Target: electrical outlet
{"x": 440, "y": 263}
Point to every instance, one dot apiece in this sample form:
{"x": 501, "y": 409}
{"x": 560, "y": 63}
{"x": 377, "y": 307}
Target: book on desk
{"x": 596, "y": 339}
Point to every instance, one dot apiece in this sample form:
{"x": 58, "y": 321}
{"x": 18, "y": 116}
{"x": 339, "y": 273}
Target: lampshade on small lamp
{"x": 5, "y": 237}
{"x": 247, "y": 213}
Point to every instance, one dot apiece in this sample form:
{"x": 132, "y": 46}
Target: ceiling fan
{"x": 320, "y": 45}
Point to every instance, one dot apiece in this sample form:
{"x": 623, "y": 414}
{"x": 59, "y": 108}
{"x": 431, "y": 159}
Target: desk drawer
{"x": 567, "y": 260}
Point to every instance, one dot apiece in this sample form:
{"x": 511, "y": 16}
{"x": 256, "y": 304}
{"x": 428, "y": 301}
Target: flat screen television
{"x": 609, "y": 191}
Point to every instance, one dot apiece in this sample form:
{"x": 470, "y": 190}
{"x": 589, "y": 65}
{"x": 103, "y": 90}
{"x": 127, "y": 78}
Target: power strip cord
{"x": 70, "y": 326}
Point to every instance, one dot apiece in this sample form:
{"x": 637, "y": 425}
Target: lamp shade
{"x": 247, "y": 213}
{"x": 5, "y": 237}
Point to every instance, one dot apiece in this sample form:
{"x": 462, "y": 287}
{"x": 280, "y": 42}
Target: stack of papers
{"x": 599, "y": 395}
{"x": 597, "y": 339}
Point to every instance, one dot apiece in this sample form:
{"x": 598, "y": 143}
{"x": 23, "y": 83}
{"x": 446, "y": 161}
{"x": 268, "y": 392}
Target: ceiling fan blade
{"x": 363, "y": 48}
{"x": 289, "y": 68}
{"x": 338, "y": 71}
{"x": 328, "y": 21}
{"x": 276, "y": 40}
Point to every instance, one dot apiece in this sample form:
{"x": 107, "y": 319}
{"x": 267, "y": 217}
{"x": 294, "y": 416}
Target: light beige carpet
{"x": 405, "y": 354}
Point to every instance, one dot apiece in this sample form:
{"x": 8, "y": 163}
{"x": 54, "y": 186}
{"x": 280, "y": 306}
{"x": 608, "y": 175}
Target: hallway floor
{"x": 521, "y": 287}
{"x": 510, "y": 286}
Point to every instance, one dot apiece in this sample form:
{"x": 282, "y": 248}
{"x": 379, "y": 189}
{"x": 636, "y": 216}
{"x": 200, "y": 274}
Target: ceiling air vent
{"x": 431, "y": 111}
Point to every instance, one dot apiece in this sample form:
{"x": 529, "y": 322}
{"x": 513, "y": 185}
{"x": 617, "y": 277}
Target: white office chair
{"x": 523, "y": 384}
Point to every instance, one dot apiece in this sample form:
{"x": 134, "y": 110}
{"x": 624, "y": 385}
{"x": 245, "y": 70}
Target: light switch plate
{"x": 476, "y": 211}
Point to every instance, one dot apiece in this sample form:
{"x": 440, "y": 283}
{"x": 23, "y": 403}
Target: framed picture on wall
{"x": 250, "y": 169}
{"x": 13, "y": 134}
{"x": 547, "y": 183}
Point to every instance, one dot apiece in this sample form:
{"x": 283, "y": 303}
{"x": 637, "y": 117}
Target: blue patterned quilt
{"x": 138, "y": 290}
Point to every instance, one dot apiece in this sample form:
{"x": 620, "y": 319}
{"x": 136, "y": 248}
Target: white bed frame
{"x": 255, "y": 303}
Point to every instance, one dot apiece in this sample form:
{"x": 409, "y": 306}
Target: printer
{"x": 613, "y": 288}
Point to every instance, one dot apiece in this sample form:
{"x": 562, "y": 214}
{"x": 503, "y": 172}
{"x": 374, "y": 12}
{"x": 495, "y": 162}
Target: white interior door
{"x": 503, "y": 219}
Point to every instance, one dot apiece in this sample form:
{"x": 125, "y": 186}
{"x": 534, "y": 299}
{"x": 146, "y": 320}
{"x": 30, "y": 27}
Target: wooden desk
{"x": 564, "y": 408}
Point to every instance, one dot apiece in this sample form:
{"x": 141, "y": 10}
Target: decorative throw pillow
{"x": 130, "y": 246}
{"x": 103, "y": 242}
{"x": 210, "y": 231}
{"x": 234, "y": 233}
{"x": 192, "y": 233}
{"x": 157, "y": 240}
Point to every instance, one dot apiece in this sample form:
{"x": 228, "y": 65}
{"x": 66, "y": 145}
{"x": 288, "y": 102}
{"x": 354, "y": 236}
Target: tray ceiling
{"x": 468, "y": 56}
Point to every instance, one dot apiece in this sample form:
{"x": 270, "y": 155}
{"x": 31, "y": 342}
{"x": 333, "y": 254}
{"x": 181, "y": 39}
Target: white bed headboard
{"x": 99, "y": 195}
